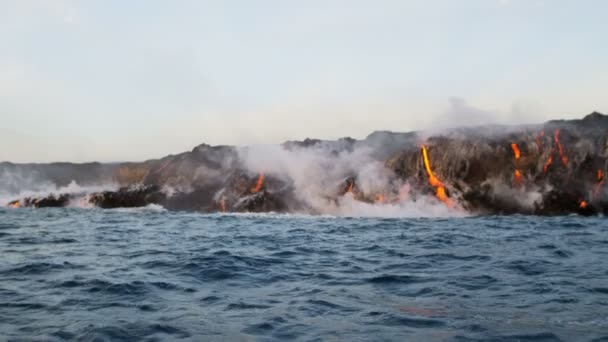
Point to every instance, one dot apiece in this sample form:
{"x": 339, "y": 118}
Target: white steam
{"x": 318, "y": 173}
{"x": 43, "y": 189}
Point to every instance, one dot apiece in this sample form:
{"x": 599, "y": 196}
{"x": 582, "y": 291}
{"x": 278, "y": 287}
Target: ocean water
{"x": 150, "y": 275}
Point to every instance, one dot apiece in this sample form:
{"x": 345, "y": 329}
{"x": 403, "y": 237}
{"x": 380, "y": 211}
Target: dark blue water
{"x": 93, "y": 275}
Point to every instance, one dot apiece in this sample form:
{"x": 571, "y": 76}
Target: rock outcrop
{"x": 550, "y": 169}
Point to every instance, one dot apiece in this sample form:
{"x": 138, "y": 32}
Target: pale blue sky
{"x": 129, "y": 80}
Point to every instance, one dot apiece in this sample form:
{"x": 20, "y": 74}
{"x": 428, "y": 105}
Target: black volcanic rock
{"x": 129, "y": 197}
{"x": 50, "y": 201}
{"x": 386, "y": 144}
{"x": 557, "y": 172}
{"x": 331, "y": 146}
{"x": 262, "y": 201}
{"x": 472, "y": 166}
{"x": 240, "y": 193}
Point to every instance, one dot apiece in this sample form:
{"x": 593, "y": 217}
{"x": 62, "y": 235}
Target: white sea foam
{"x": 147, "y": 208}
{"x": 80, "y": 193}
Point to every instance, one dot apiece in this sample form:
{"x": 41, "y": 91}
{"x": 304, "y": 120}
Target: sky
{"x": 114, "y": 80}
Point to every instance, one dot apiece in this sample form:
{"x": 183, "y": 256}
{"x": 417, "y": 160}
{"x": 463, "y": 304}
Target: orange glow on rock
{"x": 350, "y": 188}
{"x": 548, "y": 163}
{"x": 433, "y": 181}
{"x": 518, "y": 179}
{"x": 259, "y": 184}
{"x": 600, "y": 182}
{"x": 560, "y": 148}
{"x": 223, "y": 204}
{"x": 516, "y": 151}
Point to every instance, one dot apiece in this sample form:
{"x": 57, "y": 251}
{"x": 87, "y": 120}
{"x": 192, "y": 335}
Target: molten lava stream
{"x": 516, "y": 151}
{"x": 600, "y": 182}
{"x": 549, "y": 162}
{"x": 434, "y": 182}
{"x": 560, "y": 148}
{"x": 258, "y": 185}
{"x": 518, "y": 179}
{"x": 223, "y": 204}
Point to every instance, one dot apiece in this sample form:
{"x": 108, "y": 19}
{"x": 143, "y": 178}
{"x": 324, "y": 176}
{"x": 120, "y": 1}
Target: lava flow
{"x": 350, "y": 188}
{"x": 15, "y": 204}
{"x": 433, "y": 181}
{"x": 582, "y": 204}
{"x": 549, "y": 162}
{"x": 223, "y": 204}
{"x": 518, "y": 179}
{"x": 258, "y": 185}
{"x": 516, "y": 151}
{"x": 600, "y": 182}
{"x": 560, "y": 148}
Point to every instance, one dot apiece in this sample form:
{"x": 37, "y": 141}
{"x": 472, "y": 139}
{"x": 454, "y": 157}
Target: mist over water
{"x": 42, "y": 189}
{"x": 318, "y": 172}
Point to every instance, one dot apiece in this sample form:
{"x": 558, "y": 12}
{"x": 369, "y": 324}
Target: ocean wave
{"x": 118, "y": 275}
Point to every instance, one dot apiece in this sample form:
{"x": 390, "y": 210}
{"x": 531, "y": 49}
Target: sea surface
{"x": 151, "y": 275}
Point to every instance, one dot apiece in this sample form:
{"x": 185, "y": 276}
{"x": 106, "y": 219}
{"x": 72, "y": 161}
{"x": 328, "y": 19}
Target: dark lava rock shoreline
{"x": 550, "y": 169}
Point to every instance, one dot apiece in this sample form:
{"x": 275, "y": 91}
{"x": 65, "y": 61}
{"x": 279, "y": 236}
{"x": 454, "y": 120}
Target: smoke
{"x": 424, "y": 206}
{"x": 460, "y": 113}
{"x": 18, "y": 182}
{"x": 12, "y": 182}
{"x": 464, "y": 117}
{"x": 386, "y": 174}
{"x": 43, "y": 189}
{"x": 317, "y": 173}
{"x": 526, "y": 199}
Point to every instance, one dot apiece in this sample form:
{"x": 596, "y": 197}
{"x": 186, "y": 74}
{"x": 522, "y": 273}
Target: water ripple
{"x": 95, "y": 275}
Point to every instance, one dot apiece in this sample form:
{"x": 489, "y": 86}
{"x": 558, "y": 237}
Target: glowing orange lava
{"x": 350, "y": 187}
{"x": 433, "y": 181}
{"x": 223, "y": 204}
{"x": 583, "y": 204}
{"x": 516, "y": 151}
{"x": 600, "y": 182}
{"x": 380, "y": 198}
{"x": 560, "y": 148}
{"x": 15, "y": 204}
{"x": 548, "y": 163}
{"x": 258, "y": 185}
{"x": 518, "y": 179}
